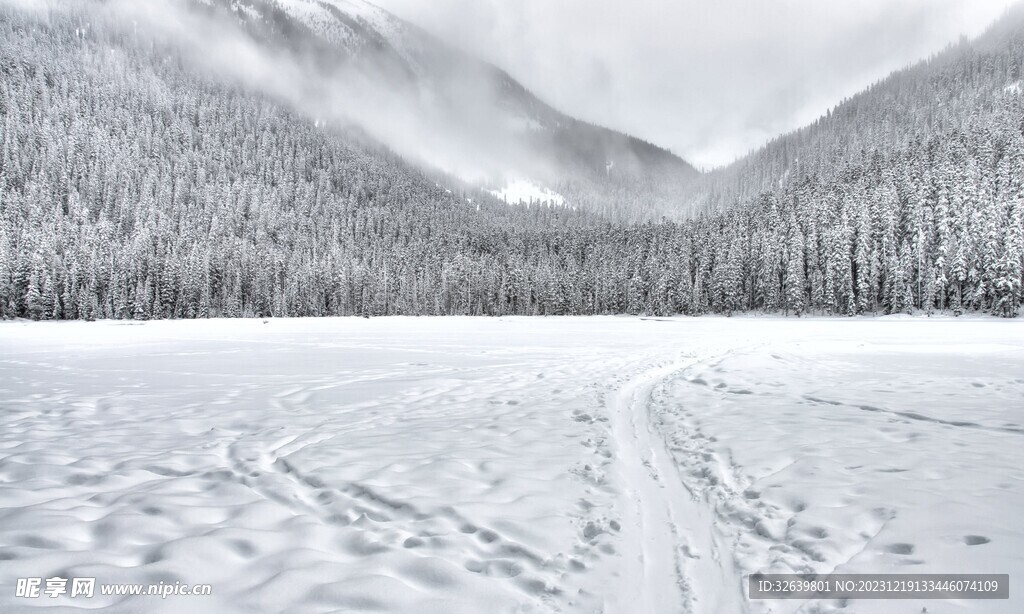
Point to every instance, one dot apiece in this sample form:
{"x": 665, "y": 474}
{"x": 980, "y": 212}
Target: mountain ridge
{"x": 931, "y": 95}
{"x": 473, "y": 99}
{"x": 136, "y": 184}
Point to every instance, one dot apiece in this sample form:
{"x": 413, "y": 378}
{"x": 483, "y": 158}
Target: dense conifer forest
{"x": 133, "y": 186}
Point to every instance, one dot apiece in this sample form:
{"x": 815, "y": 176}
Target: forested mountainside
{"x": 944, "y": 94}
{"x": 134, "y": 186}
{"x": 482, "y": 121}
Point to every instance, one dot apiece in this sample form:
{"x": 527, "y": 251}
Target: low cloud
{"x": 711, "y": 80}
{"x": 449, "y": 127}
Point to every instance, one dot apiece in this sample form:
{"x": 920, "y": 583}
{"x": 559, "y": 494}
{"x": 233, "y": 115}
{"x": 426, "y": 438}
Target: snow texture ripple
{"x": 605, "y": 464}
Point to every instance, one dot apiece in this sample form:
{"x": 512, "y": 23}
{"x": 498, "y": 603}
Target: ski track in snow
{"x": 669, "y": 526}
{"x": 507, "y": 464}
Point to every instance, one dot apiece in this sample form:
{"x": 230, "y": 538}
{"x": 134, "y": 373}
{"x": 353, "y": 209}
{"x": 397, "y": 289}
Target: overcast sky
{"x": 709, "y": 79}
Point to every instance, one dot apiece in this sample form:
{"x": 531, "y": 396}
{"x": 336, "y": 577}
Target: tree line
{"x": 132, "y": 187}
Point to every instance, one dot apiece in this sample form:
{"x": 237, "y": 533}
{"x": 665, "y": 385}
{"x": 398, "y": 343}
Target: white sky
{"x": 709, "y": 79}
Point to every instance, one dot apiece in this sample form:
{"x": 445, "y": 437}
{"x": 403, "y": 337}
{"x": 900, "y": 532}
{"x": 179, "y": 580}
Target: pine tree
{"x": 795, "y": 276}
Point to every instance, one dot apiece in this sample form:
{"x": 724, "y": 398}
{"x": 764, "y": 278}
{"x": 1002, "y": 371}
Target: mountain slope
{"x": 134, "y": 185}
{"x": 941, "y": 95}
{"x": 457, "y": 113}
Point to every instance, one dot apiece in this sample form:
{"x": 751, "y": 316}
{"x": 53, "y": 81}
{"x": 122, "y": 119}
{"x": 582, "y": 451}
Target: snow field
{"x": 610, "y": 464}
{"x": 522, "y": 191}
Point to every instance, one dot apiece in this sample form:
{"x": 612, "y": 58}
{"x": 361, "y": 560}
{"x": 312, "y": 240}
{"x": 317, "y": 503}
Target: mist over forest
{"x": 190, "y": 158}
{"x": 306, "y": 308}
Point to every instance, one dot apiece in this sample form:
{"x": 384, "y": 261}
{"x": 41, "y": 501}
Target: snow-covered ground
{"x": 522, "y": 191}
{"x": 507, "y": 464}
